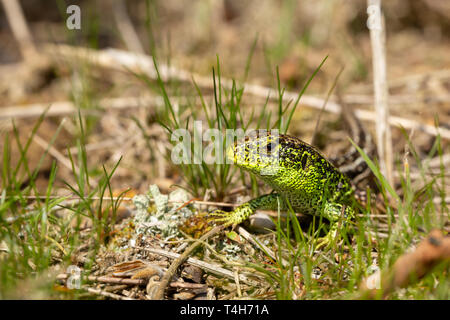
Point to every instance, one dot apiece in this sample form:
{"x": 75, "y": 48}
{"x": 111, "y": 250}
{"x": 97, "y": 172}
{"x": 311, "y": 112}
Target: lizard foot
{"x": 323, "y": 242}
{"x": 326, "y": 241}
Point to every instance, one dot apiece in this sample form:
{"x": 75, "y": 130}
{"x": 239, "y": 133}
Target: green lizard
{"x": 297, "y": 172}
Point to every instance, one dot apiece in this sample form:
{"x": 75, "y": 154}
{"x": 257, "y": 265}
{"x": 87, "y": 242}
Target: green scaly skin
{"x": 297, "y": 172}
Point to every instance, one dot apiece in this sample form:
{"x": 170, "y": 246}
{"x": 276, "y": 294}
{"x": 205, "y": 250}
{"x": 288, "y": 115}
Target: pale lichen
{"x": 169, "y": 212}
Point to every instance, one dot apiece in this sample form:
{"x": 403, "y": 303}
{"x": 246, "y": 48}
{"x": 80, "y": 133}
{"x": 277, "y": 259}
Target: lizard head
{"x": 258, "y": 153}
{"x": 265, "y": 153}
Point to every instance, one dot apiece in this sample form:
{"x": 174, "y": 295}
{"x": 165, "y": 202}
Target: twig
{"x": 378, "y": 40}
{"x": 134, "y": 282}
{"x": 19, "y": 27}
{"x": 367, "y": 115}
{"x": 62, "y": 108}
{"x": 238, "y": 285}
{"x": 188, "y": 285}
{"x": 159, "y": 293}
{"x": 375, "y": 234}
{"x": 393, "y": 99}
{"x": 436, "y": 162}
{"x": 106, "y": 293}
{"x": 405, "y": 81}
{"x": 105, "y": 279}
{"x": 125, "y": 26}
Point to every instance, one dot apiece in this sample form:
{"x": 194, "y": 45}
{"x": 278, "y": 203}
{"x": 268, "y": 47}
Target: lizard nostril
{"x": 271, "y": 146}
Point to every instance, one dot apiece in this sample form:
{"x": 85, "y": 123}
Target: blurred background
{"x": 193, "y": 33}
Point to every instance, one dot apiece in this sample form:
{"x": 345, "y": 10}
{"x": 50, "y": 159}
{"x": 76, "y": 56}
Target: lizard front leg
{"x": 241, "y": 213}
{"x": 339, "y": 216}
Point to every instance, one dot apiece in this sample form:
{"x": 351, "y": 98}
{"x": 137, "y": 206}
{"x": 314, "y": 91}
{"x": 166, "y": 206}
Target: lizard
{"x": 300, "y": 176}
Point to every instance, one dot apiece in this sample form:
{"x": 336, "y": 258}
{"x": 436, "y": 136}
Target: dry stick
{"x": 406, "y": 123}
{"x": 105, "y": 279}
{"x": 126, "y": 61}
{"x": 134, "y": 282}
{"x": 19, "y": 27}
{"x": 436, "y": 162}
{"x": 441, "y": 74}
{"x": 62, "y": 108}
{"x": 238, "y": 285}
{"x": 125, "y": 26}
{"x": 393, "y": 99}
{"x": 106, "y": 293}
{"x": 376, "y": 26}
{"x": 159, "y": 294}
{"x": 188, "y": 285}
